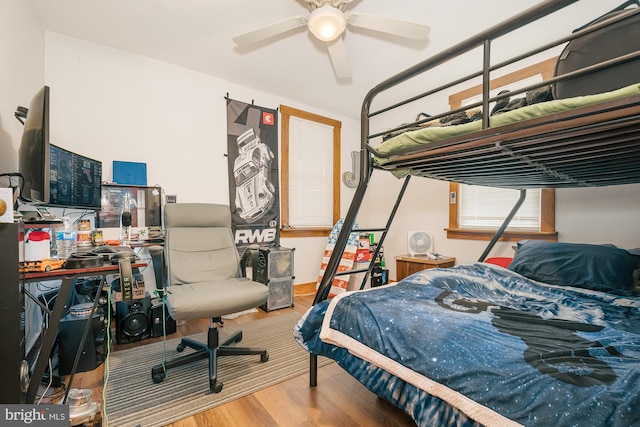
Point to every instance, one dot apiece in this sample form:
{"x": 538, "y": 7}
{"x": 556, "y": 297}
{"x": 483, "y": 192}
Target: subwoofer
{"x": 132, "y": 320}
{"x": 69, "y": 337}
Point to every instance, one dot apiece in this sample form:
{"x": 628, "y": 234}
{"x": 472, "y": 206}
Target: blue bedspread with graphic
{"x": 501, "y": 344}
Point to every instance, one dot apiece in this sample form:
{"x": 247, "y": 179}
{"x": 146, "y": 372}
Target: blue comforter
{"x": 504, "y": 347}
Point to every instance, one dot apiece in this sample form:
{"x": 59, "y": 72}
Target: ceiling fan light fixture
{"x": 327, "y": 23}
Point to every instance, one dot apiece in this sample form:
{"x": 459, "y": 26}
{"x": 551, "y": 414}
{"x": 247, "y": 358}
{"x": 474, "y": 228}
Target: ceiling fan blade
{"x": 392, "y": 26}
{"x": 270, "y": 31}
{"x": 339, "y": 58}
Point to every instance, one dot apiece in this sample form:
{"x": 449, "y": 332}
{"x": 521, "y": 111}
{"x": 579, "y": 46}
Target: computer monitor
{"x": 52, "y": 175}
{"x": 33, "y": 155}
{"x": 74, "y": 180}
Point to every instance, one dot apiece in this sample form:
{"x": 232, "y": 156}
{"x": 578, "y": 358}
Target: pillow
{"x": 501, "y": 261}
{"x": 598, "y": 267}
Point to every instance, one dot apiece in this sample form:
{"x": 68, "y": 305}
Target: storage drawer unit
{"x": 272, "y": 263}
{"x": 280, "y": 294}
{"x": 274, "y": 267}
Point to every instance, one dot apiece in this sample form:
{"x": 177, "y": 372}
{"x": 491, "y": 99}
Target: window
{"x": 310, "y": 173}
{"x": 475, "y": 213}
{"x": 486, "y": 212}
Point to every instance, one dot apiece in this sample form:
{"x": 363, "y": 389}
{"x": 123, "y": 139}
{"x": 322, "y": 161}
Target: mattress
{"x": 482, "y": 344}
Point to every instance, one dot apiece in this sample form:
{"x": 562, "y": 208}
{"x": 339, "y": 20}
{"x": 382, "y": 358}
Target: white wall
{"x": 22, "y": 73}
{"x": 599, "y": 215}
{"x": 112, "y": 105}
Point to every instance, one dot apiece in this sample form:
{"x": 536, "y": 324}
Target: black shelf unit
{"x": 10, "y": 310}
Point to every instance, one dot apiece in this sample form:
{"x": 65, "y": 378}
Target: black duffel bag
{"x": 608, "y": 42}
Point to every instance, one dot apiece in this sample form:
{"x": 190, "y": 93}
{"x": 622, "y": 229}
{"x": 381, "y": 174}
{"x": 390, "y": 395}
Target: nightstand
{"x": 406, "y": 265}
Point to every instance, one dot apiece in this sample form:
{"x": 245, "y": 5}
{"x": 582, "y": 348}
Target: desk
{"x": 407, "y": 264}
{"x": 67, "y": 276}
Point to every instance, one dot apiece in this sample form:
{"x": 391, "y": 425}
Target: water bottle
{"x": 66, "y": 238}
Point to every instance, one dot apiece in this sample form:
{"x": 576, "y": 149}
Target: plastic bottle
{"x": 66, "y": 238}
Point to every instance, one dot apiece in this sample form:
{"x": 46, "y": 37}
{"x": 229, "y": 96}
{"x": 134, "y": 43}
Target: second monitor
{"x": 144, "y": 204}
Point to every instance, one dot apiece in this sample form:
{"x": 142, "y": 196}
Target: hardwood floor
{"x": 338, "y": 400}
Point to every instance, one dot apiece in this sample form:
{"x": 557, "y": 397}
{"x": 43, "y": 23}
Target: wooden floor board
{"x": 281, "y": 407}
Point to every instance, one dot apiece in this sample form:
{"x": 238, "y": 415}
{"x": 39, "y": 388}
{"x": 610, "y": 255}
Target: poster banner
{"x": 254, "y": 197}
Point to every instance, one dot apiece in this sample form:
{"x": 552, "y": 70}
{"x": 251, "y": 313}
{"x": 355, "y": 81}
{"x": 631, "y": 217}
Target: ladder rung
{"x": 357, "y": 270}
{"x": 368, "y": 229}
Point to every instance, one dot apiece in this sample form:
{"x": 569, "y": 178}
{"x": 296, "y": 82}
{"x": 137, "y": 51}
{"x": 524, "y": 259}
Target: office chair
{"x": 202, "y": 277}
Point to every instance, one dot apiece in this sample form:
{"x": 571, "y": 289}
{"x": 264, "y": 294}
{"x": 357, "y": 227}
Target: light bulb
{"x": 327, "y": 23}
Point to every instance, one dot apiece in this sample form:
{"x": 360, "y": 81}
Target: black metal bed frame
{"x": 589, "y": 146}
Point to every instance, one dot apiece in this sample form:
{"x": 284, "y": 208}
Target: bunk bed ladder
{"x": 332, "y": 266}
{"x": 368, "y": 270}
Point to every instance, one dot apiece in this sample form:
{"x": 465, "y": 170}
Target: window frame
{"x": 285, "y": 115}
{"x": 547, "y": 197}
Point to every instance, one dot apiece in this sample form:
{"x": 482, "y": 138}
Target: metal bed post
{"x": 332, "y": 266}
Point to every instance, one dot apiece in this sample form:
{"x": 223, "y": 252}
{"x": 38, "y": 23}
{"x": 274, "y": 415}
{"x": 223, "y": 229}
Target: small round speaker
{"x": 132, "y": 320}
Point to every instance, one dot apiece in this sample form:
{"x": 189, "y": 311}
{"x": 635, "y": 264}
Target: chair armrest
{"x": 159, "y": 267}
{"x": 246, "y": 256}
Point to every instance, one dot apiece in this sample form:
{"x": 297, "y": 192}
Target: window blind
{"x": 487, "y": 207}
{"x": 310, "y": 174}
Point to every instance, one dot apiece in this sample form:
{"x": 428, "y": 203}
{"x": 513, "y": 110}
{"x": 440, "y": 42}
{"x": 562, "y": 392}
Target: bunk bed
{"x": 554, "y": 339}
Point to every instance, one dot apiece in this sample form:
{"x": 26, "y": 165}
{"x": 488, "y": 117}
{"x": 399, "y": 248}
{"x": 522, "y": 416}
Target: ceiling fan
{"x": 327, "y": 22}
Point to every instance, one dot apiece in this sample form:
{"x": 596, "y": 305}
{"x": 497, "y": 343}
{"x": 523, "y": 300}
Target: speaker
{"x": 69, "y": 337}
{"x": 132, "y": 320}
{"x": 156, "y": 317}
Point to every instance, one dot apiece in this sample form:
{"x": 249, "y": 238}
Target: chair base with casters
{"x": 211, "y": 350}
{"x": 201, "y": 276}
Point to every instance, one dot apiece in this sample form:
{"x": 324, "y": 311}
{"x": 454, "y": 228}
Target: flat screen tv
{"x": 52, "y": 175}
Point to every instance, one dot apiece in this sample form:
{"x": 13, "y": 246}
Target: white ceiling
{"x": 196, "y": 34}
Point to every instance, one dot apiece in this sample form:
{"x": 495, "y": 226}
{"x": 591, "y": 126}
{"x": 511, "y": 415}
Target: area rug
{"x": 132, "y": 399}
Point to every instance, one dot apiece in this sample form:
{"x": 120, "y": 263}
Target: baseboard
{"x": 304, "y": 288}
{"x": 309, "y": 288}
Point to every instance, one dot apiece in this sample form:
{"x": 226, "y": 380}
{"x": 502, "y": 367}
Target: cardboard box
{"x": 138, "y": 293}
{"x": 137, "y": 288}
{"x": 363, "y": 255}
